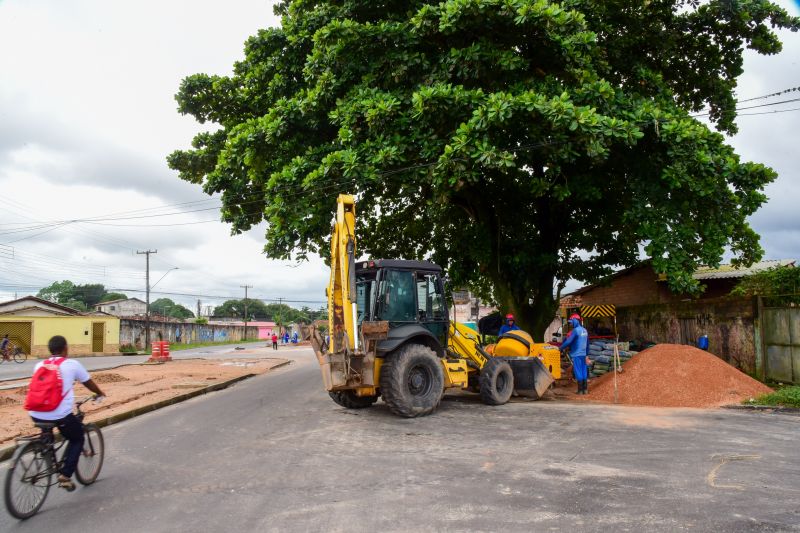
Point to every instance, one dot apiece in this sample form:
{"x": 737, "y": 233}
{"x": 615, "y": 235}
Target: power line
{"x": 771, "y": 95}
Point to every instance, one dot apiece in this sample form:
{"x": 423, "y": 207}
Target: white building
{"x": 127, "y": 307}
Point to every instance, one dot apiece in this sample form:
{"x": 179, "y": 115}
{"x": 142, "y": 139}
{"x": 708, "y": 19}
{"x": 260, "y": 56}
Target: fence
{"x": 728, "y": 322}
{"x": 132, "y": 331}
{"x": 778, "y": 343}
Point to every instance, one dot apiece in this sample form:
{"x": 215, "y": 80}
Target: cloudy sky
{"x": 87, "y": 117}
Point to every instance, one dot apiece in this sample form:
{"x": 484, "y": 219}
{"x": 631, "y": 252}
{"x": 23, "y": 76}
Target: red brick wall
{"x": 641, "y": 287}
{"x": 638, "y": 287}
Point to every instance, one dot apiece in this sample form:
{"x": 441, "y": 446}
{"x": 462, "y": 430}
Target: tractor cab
{"x": 409, "y": 295}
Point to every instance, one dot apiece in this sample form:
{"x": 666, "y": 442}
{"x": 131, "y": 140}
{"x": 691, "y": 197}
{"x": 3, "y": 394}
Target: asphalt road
{"x": 11, "y": 370}
{"x": 275, "y": 454}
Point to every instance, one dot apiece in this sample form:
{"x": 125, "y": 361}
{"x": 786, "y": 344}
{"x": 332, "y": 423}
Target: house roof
{"x": 41, "y": 303}
{"x": 729, "y": 271}
{"x": 725, "y": 271}
{"x": 21, "y": 311}
{"x": 120, "y": 300}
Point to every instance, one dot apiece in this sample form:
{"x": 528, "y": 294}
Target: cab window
{"x": 397, "y": 301}
{"x": 430, "y": 304}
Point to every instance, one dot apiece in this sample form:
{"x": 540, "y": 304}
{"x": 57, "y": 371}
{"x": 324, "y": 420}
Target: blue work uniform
{"x": 505, "y": 328}
{"x": 577, "y": 341}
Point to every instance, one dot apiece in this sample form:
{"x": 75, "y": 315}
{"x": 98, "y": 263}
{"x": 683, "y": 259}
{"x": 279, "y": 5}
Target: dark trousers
{"x": 72, "y": 430}
{"x": 275, "y": 345}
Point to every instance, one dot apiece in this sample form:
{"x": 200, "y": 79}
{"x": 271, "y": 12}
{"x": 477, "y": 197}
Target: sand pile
{"x": 673, "y": 375}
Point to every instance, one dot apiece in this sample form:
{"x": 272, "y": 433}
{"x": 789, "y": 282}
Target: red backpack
{"x": 45, "y": 391}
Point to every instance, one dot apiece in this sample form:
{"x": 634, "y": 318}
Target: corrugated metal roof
{"x": 728, "y": 271}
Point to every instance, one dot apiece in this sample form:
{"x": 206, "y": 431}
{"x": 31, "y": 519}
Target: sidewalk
{"x": 15, "y": 371}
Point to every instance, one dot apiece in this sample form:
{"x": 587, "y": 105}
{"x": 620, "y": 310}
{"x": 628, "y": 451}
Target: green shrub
{"x": 128, "y": 348}
{"x": 787, "y": 397}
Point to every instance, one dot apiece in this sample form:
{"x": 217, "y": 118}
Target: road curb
{"x": 8, "y": 451}
{"x": 765, "y": 409}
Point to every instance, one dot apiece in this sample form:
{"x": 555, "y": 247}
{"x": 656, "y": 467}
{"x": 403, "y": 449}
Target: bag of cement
{"x": 602, "y": 359}
{"x": 625, "y": 346}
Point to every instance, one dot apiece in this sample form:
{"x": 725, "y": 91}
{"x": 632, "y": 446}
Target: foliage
{"x": 518, "y": 143}
{"x": 780, "y": 284}
{"x": 202, "y": 320}
{"x": 258, "y": 310}
{"x": 785, "y": 396}
{"x": 166, "y": 307}
{"x": 111, "y": 296}
{"x": 81, "y": 297}
{"x": 127, "y": 348}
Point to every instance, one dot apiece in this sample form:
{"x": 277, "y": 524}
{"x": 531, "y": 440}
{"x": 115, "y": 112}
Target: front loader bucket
{"x": 531, "y": 378}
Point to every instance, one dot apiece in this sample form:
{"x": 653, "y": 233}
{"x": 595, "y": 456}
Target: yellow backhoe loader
{"x": 389, "y": 335}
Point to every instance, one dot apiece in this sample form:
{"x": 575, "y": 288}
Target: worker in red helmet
{"x": 510, "y": 325}
{"x": 577, "y": 341}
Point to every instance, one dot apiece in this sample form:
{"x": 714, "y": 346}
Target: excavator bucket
{"x": 531, "y": 378}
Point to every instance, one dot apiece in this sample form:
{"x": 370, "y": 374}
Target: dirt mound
{"x": 9, "y": 401}
{"x": 108, "y": 377}
{"x": 673, "y": 375}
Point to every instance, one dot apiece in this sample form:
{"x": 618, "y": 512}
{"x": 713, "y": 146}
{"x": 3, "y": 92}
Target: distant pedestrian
{"x": 274, "y": 341}
{"x": 286, "y": 337}
{"x": 4, "y": 347}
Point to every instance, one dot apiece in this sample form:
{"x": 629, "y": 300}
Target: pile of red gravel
{"x": 673, "y": 375}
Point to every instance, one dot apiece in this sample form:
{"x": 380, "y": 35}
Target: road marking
{"x": 711, "y": 478}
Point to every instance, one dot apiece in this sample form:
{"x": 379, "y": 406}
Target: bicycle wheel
{"x": 28, "y": 480}
{"x": 20, "y": 356}
{"x": 91, "y": 460}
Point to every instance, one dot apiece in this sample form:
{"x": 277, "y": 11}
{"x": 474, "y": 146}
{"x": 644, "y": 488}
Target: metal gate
{"x": 19, "y": 333}
{"x": 781, "y": 330}
{"x": 98, "y": 336}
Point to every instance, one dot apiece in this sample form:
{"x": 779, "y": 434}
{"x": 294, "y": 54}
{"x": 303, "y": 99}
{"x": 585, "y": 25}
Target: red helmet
{"x": 509, "y": 316}
{"x": 576, "y": 316}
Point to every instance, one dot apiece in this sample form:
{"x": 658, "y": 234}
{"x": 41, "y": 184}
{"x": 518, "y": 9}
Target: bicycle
{"x": 36, "y": 461}
{"x": 17, "y": 354}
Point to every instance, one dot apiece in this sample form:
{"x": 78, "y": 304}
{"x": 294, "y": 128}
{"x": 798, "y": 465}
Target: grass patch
{"x": 788, "y": 396}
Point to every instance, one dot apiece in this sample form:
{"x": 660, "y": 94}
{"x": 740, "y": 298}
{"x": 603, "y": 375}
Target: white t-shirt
{"x": 71, "y": 370}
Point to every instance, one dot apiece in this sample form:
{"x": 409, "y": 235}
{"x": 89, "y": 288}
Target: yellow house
{"x": 30, "y": 322}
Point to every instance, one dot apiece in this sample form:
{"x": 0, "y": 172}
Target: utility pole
{"x": 245, "y": 287}
{"x": 147, "y": 253}
{"x": 198, "y": 309}
{"x": 280, "y": 316}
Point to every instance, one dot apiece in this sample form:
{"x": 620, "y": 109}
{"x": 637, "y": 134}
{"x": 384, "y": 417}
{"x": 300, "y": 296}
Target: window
{"x": 364, "y": 290}
{"x": 397, "y": 296}
{"x": 113, "y": 308}
{"x": 429, "y": 298}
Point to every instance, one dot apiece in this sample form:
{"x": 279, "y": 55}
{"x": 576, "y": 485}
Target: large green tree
{"x": 81, "y": 297}
{"x": 519, "y": 143}
{"x": 167, "y": 307}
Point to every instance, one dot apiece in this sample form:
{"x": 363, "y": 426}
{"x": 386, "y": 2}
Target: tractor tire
{"x": 412, "y": 381}
{"x": 497, "y": 382}
{"x": 348, "y": 399}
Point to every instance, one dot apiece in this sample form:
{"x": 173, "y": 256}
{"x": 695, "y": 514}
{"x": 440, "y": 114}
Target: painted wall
{"x": 76, "y": 329}
{"x": 132, "y": 331}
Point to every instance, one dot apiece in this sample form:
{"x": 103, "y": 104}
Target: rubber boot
{"x": 585, "y": 386}
{"x": 580, "y": 388}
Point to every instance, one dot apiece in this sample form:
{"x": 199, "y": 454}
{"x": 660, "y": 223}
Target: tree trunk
{"x": 532, "y": 317}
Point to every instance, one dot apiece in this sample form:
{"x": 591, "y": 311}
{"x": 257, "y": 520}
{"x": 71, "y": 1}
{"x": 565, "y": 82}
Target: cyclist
{"x": 4, "y": 347}
{"x": 68, "y": 424}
